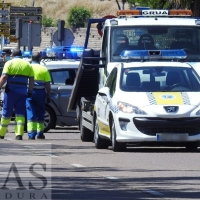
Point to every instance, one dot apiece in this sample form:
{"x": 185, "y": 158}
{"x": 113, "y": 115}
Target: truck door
{"x": 104, "y": 52}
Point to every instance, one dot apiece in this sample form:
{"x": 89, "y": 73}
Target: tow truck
{"x": 152, "y": 30}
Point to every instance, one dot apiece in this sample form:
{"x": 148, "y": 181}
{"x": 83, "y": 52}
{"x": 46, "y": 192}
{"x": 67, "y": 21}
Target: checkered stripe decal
{"x": 114, "y": 108}
{"x": 185, "y": 97}
{"x": 151, "y": 98}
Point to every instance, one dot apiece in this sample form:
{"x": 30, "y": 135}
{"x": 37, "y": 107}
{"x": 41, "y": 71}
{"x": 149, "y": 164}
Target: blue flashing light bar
{"x": 142, "y": 8}
{"x": 135, "y": 54}
{"x": 26, "y": 54}
{"x": 171, "y": 54}
{"x": 153, "y": 54}
{"x": 63, "y": 52}
{"x": 197, "y": 21}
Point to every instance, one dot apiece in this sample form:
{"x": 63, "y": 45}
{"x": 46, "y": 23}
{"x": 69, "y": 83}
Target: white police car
{"x": 149, "y": 101}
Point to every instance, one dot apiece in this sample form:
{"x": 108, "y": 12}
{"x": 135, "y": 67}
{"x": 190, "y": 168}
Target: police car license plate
{"x": 170, "y": 137}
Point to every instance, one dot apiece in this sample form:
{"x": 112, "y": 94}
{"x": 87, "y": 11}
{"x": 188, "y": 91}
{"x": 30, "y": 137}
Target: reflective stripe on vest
{"x": 38, "y": 87}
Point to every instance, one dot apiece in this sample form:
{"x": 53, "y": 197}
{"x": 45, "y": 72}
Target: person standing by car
{"x": 35, "y": 105}
{"x": 18, "y": 73}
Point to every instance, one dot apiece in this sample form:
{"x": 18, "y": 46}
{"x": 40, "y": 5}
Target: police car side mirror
{"x": 104, "y": 92}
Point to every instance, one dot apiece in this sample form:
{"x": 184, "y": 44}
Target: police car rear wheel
{"x": 100, "y": 143}
{"x": 49, "y": 119}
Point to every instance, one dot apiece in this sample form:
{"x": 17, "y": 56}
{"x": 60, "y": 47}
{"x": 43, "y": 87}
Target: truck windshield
{"x": 156, "y": 38}
{"x": 157, "y": 79}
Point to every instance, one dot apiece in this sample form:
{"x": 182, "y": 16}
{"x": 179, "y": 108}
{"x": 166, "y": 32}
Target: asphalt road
{"x": 75, "y": 170}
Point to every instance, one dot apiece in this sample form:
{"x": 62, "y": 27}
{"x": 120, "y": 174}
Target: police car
{"x": 62, "y": 63}
{"x": 147, "y": 100}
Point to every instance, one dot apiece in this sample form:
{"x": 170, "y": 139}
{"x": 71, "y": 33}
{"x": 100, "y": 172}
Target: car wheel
{"x": 99, "y": 142}
{"x": 49, "y": 119}
{"x": 116, "y": 146}
{"x": 191, "y": 146}
{"x": 86, "y": 135}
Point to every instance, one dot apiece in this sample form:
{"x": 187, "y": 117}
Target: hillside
{"x": 59, "y": 9}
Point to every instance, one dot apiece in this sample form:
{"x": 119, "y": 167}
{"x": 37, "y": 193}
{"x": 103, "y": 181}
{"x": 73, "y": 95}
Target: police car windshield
{"x": 159, "y": 79}
{"x": 156, "y": 38}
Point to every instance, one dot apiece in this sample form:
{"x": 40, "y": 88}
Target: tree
{"x": 194, "y": 5}
{"x": 150, "y": 3}
{"x": 195, "y": 8}
{"x": 78, "y": 17}
{"x": 119, "y": 7}
{"x": 48, "y": 21}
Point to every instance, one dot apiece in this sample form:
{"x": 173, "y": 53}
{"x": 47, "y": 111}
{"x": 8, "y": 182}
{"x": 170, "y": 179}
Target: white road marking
{"x": 111, "y": 177}
{"x": 77, "y": 165}
{"x": 38, "y": 144}
{"x": 51, "y": 155}
{"x": 28, "y": 147}
{"x": 153, "y": 192}
{"x": 9, "y": 139}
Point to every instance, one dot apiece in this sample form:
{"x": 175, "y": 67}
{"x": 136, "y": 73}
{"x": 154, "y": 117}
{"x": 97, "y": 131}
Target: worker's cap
{"x": 16, "y": 52}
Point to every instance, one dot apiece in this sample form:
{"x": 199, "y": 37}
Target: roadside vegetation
{"x": 60, "y": 9}
{"x": 53, "y": 10}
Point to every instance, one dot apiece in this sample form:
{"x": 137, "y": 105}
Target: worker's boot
{"x": 41, "y": 137}
{"x": 18, "y": 137}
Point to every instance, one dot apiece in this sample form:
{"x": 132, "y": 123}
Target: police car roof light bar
{"x": 62, "y": 52}
{"x": 26, "y": 54}
{"x": 154, "y": 54}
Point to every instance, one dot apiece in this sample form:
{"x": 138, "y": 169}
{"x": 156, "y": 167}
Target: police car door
{"x": 104, "y": 97}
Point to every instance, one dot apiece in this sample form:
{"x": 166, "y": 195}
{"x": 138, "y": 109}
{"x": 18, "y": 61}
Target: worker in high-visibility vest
{"x": 35, "y": 105}
{"x": 20, "y": 79}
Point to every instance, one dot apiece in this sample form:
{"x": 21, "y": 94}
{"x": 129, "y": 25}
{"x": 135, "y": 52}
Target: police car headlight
{"x": 128, "y": 108}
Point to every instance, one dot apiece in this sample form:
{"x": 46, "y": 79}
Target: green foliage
{"x": 132, "y": 3}
{"x": 162, "y": 4}
{"x": 78, "y": 17}
{"x": 48, "y": 21}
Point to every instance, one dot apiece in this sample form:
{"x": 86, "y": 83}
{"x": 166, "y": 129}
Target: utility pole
{"x": 18, "y": 31}
{"x": 33, "y": 3}
{"x": 2, "y": 36}
{"x": 123, "y": 2}
{"x": 30, "y": 37}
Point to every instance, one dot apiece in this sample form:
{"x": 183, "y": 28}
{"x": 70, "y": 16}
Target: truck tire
{"x": 191, "y": 146}
{"x": 116, "y": 146}
{"x": 100, "y": 143}
{"x": 86, "y": 135}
